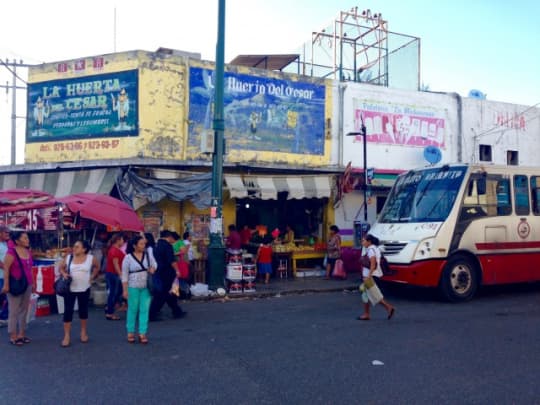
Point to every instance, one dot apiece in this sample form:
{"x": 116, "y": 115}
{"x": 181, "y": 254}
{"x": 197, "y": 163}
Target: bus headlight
{"x": 423, "y": 250}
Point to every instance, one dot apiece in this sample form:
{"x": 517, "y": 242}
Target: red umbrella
{"x": 24, "y": 199}
{"x": 104, "y": 209}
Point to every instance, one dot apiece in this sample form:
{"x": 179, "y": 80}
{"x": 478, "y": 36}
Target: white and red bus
{"x": 459, "y": 226}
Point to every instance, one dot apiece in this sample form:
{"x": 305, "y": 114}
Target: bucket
{"x": 234, "y": 272}
{"x": 99, "y": 297}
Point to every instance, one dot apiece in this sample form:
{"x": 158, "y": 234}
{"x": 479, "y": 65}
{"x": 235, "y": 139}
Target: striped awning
{"x": 267, "y": 187}
{"x": 61, "y": 184}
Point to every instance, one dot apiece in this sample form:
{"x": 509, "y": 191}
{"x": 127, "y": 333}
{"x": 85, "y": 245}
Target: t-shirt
{"x": 373, "y": 251}
{"x": 179, "y": 244}
{"x": 15, "y": 269}
{"x": 265, "y": 254}
{"x": 187, "y": 243}
{"x": 80, "y": 274}
{"x": 3, "y": 251}
{"x": 234, "y": 240}
{"x": 133, "y": 273}
{"x": 113, "y": 253}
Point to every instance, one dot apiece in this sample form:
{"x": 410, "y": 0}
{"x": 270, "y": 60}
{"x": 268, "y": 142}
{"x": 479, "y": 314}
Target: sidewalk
{"x": 299, "y": 285}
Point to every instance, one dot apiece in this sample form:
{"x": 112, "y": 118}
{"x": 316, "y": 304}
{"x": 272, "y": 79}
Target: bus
{"x": 459, "y": 226}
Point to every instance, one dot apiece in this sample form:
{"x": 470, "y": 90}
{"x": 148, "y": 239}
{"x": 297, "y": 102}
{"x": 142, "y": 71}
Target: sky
{"x": 490, "y": 45}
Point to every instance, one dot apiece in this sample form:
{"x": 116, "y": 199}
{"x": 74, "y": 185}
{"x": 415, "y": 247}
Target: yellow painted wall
{"x": 163, "y": 104}
{"x": 161, "y": 110}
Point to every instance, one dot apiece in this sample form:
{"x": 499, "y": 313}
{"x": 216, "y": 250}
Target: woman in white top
{"x": 136, "y": 265}
{"x": 83, "y": 269}
{"x": 371, "y": 244}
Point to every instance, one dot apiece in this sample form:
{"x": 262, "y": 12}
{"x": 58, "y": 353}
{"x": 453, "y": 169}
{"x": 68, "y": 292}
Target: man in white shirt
{"x": 4, "y": 237}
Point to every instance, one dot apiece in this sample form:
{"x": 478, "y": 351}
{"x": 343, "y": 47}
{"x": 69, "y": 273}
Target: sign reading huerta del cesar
{"x": 83, "y": 107}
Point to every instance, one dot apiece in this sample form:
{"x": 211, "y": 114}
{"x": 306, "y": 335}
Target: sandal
{"x": 143, "y": 339}
{"x": 25, "y": 339}
{"x": 112, "y": 317}
{"x": 131, "y": 338}
{"x": 391, "y": 313}
{"x": 362, "y": 318}
{"x": 84, "y": 339}
{"x": 65, "y": 344}
{"x": 16, "y": 342}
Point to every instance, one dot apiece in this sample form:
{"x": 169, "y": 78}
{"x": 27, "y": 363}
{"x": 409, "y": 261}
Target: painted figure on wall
{"x": 121, "y": 106}
{"x": 41, "y": 111}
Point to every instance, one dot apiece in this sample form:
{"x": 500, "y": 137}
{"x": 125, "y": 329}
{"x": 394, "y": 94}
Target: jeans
{"x": 3, "y": 303}
{"x": 115, "y": 292}
{"x": 138, "y": 302}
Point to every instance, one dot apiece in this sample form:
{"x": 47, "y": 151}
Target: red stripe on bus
{"x": 507, "y": 245}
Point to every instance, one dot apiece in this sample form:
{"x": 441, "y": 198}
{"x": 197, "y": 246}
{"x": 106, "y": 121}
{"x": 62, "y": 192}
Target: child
{"x": 264, "y": 259}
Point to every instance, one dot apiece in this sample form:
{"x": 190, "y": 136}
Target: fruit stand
{"x": 300, "y": 253}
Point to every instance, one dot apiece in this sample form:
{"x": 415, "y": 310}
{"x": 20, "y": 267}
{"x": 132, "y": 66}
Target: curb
{"x": 270, "y": 294}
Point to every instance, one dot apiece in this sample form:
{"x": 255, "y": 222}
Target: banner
{"x": 400, "y": 124}
{"x": 83, "y": 107}
{"x": 261, "y": 113}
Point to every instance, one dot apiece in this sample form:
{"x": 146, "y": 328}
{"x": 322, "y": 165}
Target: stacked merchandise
{"x": 249, "y": 273}
{"x": 234, "y": 271}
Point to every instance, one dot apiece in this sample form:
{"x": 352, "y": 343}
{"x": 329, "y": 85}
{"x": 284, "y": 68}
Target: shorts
{"x": 265, "y": 268}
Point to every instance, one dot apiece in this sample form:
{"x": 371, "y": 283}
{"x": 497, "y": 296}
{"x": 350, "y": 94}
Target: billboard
{"x": 97, "y": 106}
{"x": 401, "y": 124}
{"x": 261, "y": 113}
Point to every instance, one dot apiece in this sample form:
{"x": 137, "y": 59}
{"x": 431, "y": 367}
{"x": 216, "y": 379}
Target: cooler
{"x": 43, "y": 276}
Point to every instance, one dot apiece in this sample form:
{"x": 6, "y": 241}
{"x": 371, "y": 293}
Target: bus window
{"x": 535, "y": 194}
{"x": 504, "y": 206}
{"x": 521, "y": 195}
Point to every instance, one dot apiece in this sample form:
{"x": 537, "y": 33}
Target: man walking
{"x": 167, "y": 269}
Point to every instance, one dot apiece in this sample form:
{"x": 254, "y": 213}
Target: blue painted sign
{"x": 261, "y": 113}
{"x": 83, "y": 107}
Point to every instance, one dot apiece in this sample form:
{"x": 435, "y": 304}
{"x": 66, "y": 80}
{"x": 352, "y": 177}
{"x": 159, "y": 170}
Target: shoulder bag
{"x": 18, "y": 286}
{"x": 62, "y": 285}
{"x": 153, "y": 282}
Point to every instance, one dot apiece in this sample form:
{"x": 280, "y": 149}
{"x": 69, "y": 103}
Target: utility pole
{"x": 216, "y": 249}
{"x": 12, "y": 68}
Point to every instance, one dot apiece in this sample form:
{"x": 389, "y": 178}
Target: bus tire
{"x": 459, "y": 279}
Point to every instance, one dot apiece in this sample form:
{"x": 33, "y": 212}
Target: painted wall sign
{"x": 400, "y": 124}
{"x": 95, "y": 106}
{"x": 261, "y": 113}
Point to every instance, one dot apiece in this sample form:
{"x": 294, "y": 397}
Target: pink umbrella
{"x": 24, "y": 199}
{"x": 105, "y": 210}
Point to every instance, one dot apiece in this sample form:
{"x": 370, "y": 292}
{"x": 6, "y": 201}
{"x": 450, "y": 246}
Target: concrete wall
{"x": 504, "y": 127}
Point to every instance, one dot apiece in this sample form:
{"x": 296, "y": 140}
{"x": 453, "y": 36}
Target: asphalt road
{"x": 293, "y": 350}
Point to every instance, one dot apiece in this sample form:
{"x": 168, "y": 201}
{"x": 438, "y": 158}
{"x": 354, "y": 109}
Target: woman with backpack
{"x": 371, "y": 270}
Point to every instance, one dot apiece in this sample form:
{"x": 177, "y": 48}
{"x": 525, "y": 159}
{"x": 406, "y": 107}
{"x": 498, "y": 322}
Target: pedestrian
{"x": 167, "y": 269}
{"x": 113, "y": 273}
{"x": 18, "y": 264}
{"x": 333, "y": 250}
{"x": 150, "y": 243}
{"x": 83, "y": 269}
{"x": 137, "y": 264}
{"x": 234, "y": 241}
{"x": 4, "y": 237}
{"x": 264, "y": 259}
{"x": 371, "y": 245}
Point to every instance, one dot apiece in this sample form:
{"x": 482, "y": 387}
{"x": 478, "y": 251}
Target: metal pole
{"x": 14, "y": 115}
{"x": 363, "y": 130}
{"x": 216, "y": 249}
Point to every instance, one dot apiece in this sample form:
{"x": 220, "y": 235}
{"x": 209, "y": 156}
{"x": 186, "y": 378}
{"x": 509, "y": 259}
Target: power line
{"x": 13, "y": 72}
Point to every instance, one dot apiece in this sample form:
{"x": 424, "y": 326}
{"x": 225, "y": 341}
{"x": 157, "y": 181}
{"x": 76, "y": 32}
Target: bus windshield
{"x": 425, "y": 195}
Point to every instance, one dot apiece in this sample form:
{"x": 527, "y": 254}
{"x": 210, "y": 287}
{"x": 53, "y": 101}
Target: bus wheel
{"x": 459, "y": 279}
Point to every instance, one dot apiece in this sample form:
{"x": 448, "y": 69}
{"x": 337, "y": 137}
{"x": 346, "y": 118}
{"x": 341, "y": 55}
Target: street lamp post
{"x": 362, "y": 133}
{"x": 216, "y": 250}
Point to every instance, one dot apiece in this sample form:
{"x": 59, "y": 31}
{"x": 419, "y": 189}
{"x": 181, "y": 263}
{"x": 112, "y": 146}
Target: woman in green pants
{"x": 136, "y": 267}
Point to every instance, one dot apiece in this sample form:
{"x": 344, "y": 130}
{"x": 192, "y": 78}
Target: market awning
{"x": 61, "y": 184}
{"x": 267, "y": 187}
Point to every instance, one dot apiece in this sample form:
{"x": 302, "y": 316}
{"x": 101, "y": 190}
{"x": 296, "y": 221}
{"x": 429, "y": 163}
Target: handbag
{"x": 18, "y": 286}
{"x": 339, "y": 270}
{"x": 62, "y": 285}
{"x": 372, "y": 290}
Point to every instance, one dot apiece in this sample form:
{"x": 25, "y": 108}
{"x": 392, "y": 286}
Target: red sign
{"x": 99, "y": 63}
{"x": 80, "y": 65}
{"x": 62, "y": 67}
